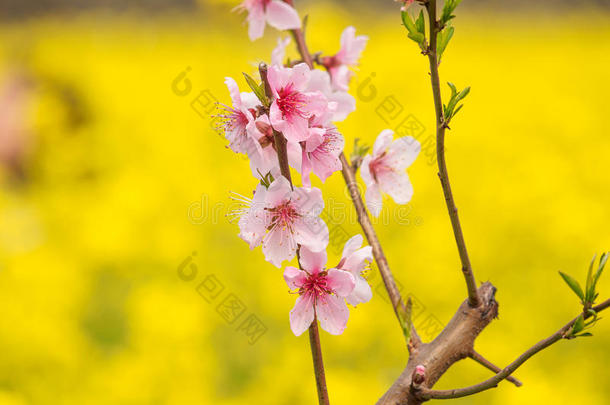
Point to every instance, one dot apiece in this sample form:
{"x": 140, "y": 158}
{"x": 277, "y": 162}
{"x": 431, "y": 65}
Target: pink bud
{"x": 419, "y": 376}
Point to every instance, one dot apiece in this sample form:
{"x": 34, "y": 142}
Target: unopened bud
{"x": 419, "y": 376}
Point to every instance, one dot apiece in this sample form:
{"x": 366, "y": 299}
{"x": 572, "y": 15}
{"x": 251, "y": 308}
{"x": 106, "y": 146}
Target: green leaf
{"x": 573, "y": 284}
{"x": 448, "y": 9}
{"x": 420, "y": 23}
{"x": 259, "y": 90}
{"x": 589, "y": 289}
{"x": 414, "y": 33}
{"x": 586, "y": 334}
{"x": 578, "y": 325}
{"x": 443, "y": 40}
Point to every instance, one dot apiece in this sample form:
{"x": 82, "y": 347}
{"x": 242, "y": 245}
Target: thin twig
{"x": 492, "y": 382}
{"x": 489, "y": 365}
{"x": 318, "y": 362}
{"x": 471, "y": 284}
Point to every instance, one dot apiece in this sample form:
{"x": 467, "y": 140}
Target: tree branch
{"x": 318, "y": 363}
{"x": 492, "y": 382}
{"x": 471, "y": 285}
{"x": 489, "y": 365}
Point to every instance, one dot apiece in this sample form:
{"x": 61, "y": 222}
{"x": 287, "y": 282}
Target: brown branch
{"x": 492, "y": 382}
{"x": 473, "y": 299}
{"x": 489, "y": 365}
{"x": 318, "y": 363}
{"x": 367, "y": 227}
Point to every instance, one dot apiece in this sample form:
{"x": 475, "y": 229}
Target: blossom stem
{"x": 299, "y": 38}
{"x": 443, "y": 175}
{"x": 318, "y": 362}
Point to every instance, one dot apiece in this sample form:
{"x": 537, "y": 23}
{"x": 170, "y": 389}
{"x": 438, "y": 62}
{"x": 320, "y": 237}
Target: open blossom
{"x": 235, "y": 119}
{"x": 339, "y": 65}
{"x": 384, "y": 170}
{"x": 263, "y": 156}
{"x": 280, "y": 218}
{"x": 321, "y": 294}
{"x": 275, "y": 12}
{"x": 292, "y": 105}
{"x": 344, "y": 103}
{"x": 321, "y": 150}
{"x": 354, "y": 260}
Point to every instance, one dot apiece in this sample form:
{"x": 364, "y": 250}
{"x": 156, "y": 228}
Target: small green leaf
{"x": 443, "y": 40}
{"x": 405, "y": 319}
{"x": 420, "y": 22}
{"x": 259, "y": 90}
{"x": 573, "y": 284}
{"x": 586, "y": 334}
{"x": 578, "y": 325}
{"x": 414, "y": 33}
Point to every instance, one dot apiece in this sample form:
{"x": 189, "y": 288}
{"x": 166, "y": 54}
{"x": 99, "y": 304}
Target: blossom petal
{"x": 383, "y": 141}
{"x": 282, "y": 16}
{"x": 279, "y": 52}
{"x": 278, "y": 192}
{"x": 365, "y": 171}
{"x": 302, "y": 314}
{"x": 313, "y": 262}
{"x": 373, "y": 199}
{"x": 233, "y": 91}
{"x": 361, "y": 293}
{"x": 355, "y": 262}
{"x": 341, "y": 282}
{"x": 397, "y": 185}
{"x": 402, "y": 152}
{"x": 352, "y": 245}
{"x": 332, "y": 313}
{"x": 294, "y": 277}
{"x": 312, "y": 233}
{"x": 279, "y": 245}
{"x": 256, "y": 21}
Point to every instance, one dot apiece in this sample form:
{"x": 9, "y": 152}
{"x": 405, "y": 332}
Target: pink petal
{"x": 302, "y": 314}
{"x": 352, "y": 245}
{"x": 365, "y": 171}
{"x": 361, "y": 293}
{"x": 278, "y": 192}
{"x": 351, "y": 46}
{"x": 355, "y": 262}
{"x": 373, "y": 199}
{"x": 234, "y": 92}
{"x": 294, "y": 128}
{"x": 341, "y": 282}
{"x": 402, "y": 153}
{"x": 294, "y": 152}
{"x": 294, "y": 277}
{"x": 341, "y": 76}
{"x": 282, "y": 16}
{"x": 396, "y": 184}
{"x": 299, "y": 76}
{"x": 332, "y": 313}
{"x": 279, "y": 245}
{"x": 312, "y": 233}
{"x": 383, "y": 141}
{"x": 308, "y": 201}
{"x": 256, "y": 21}
{"x": 313, "y": 262}
{"x": 346, "y": 104}
{"x": 279, "y": 52}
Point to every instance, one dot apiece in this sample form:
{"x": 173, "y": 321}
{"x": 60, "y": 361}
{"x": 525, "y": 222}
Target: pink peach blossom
{"x": 235, "y": 119}
{"x": 274, "y": 12}
{"x": 280, "y": 218}
{"x": 321, "y": 150}
{"x": 339, "y": 65}
{"x": 384, "y": 170}
{"x": 344, "y": 103}
{"x": 292, "y": 105}
{"x": 321, "y": 294}
{"x": 354, "y": 260}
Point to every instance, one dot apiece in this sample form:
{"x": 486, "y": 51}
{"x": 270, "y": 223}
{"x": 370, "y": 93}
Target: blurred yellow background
{"x": 112, "y": 176}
